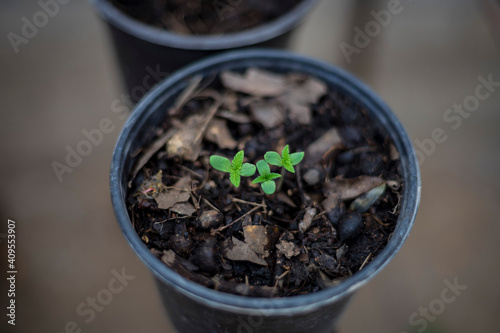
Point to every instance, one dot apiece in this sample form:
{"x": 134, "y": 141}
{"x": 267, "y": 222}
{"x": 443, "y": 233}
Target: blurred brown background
{"x": 64, "y": 80}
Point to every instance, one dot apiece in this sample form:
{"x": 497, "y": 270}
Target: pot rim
{"x": 333, "y": 76}
{"x": 255, "y": 35}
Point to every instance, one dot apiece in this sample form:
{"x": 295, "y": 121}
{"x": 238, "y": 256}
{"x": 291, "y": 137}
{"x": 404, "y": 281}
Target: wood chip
{"x": 218, "y": 133}
{"x": 315, "y": 151}
{"x": 347, "y": 189}
{"x": 267, "y": 113}
{"x": 255, "y": 82}
{"x": 234, "y": 249}
{"x": 305, "y": 224}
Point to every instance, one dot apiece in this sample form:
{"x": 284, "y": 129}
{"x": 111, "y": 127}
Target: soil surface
{"x": 204, "y": 17}
{"x": 327, "y": 221}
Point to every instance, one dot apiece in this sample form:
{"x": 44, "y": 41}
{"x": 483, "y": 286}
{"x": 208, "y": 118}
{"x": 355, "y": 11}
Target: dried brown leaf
{"x": 315, "y": 151}
{"x": 299, "y": 97}
{"x": 255, "y": 82}
{"x": 267, "y": 113}
{"x": 180, "y": 192}
{"x": 230, "y": 101}
{"x": 258, "y": 238}
{"x": 288, "y": 249}
{"x": 310, "y": 91}
{"x": 234, "y": 249}
{"x": 301, "y": 113}
{"x": 186, "y": 143}
{"x": 218, "y": 133}
{"x": 183, "y": 208}
{"x": 285, "y": 199}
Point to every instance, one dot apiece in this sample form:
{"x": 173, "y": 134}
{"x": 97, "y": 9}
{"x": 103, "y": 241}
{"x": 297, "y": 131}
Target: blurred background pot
{"x": 147, "y": 54}
{"x": 195, "y": 309}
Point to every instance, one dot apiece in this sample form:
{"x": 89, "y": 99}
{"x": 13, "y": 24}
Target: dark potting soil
{"x": 204, "y": 17}
{"x": 327, "y": 221}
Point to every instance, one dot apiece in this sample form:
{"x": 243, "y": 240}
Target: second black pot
{"x": 147, "y": 54}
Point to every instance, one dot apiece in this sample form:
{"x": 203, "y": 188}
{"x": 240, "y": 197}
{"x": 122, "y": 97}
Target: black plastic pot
{"x": 146, "y": 53}
{"x": 197, "y": 309}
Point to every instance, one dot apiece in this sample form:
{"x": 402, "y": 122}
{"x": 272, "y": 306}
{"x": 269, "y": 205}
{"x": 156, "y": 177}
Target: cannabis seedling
{"x": 286, "y": 161}
{"x": 266, "y": 178}
{"x": 236, "y": 168}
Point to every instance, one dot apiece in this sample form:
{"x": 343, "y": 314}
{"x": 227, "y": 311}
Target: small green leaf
{"x": 235, "y": 178}
{"x": 268, "y": 187}
{"x": 272, "y": 176}
{"x": 289, "y": 167}
{"x": 220, "y": 163}
{"x": 263, "y": 168}
{"x": 260, "y": 179}
{"x": 285, "y": 154}
{"x": 247, "y": 170}
{"x": 273, "y": 158}
{"x": 238, "y": 160}
{"x": 296, "y": 158}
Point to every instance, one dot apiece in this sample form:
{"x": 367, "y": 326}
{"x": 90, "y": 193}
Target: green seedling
{"x": 286, "y": 161}
{"x": 236, "y": 168}
{"x": 266, "y": 178}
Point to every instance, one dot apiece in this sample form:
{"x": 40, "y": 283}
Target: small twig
{"x": 248, "y": 202}
{"x": 366, "y": 261}
{"x": 150, "y": 151}
{"x": 302, "y": 286}
{"x": 281, "y": 277}
{"x": 195, "y": 202}
{"x": 175, "y": 218}
{"x": 210, "y": 114}
{"x": 237, "y": 220}
{"x": 318, "y": 216}
{"x": 379, "y": 222}
{"x": 210, "y": 204}
{"x": 188, "y": 92}
{"x": 191, "y": 171}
